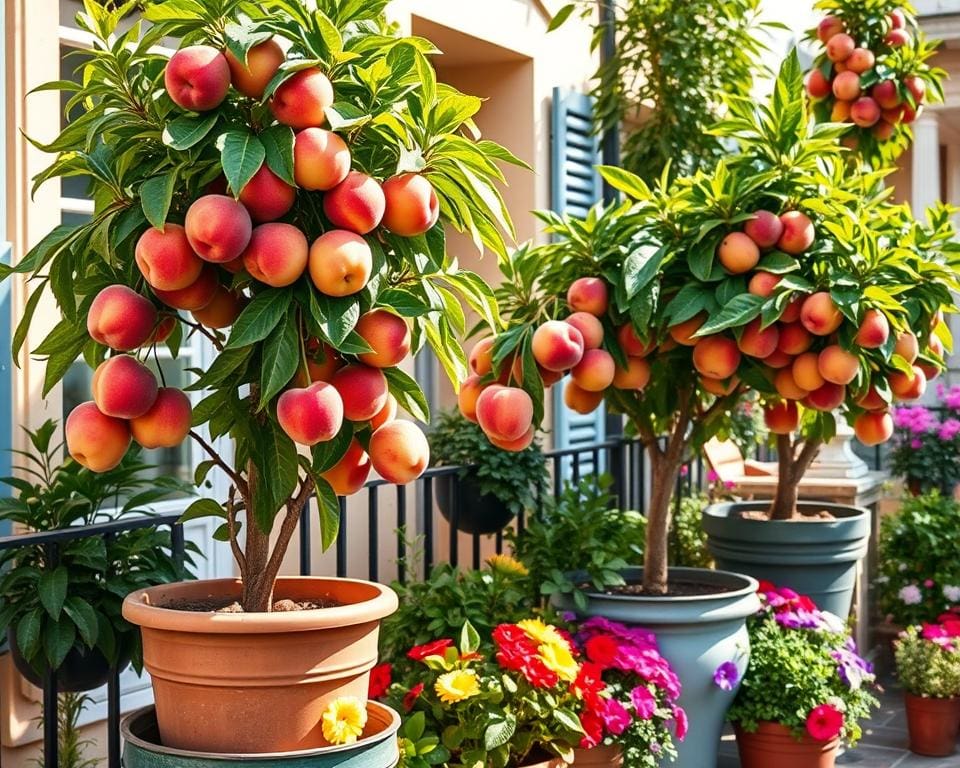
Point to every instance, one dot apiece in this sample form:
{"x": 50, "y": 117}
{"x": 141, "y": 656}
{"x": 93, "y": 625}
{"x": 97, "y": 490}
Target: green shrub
{"x": 688, "y": 541}
{"x": 927, "y": 666}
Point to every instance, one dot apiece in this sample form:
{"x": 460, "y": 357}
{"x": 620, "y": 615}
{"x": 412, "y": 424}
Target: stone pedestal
{"x": 836, "y": 458}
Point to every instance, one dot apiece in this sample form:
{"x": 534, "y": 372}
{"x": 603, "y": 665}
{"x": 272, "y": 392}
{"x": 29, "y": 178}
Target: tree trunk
{"x": 257, "y": 589}
{"x": 792, "y": 466}
{"x": 663, "y": 483}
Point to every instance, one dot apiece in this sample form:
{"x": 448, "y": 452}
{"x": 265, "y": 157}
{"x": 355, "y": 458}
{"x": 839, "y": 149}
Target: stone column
{"x": 926, "y": 162}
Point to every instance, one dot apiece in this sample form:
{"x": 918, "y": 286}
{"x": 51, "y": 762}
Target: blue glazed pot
{"x": 377, "y": 749}
{"x": 696, "y": 634}
{"x": 814, "y": 557}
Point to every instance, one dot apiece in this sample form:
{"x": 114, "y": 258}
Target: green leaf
{"x": 241, "y": 155}
{"x": 778, "y": 263}
{"x": 240, "y": 39}
{"x": 641, "y": 266}
{"x": 156, "y": 193}
{"x": 408, "y": 393}
{"x": 202, "y": 508}
{"x": 187, "y": 131}
{"x": 28, "y": 633}
{"x": 259, "y": 318}
{"x": 58, "y": 639}
{"x": 278, "y": 143}
{"x": 326, "y": 455}
{"x": 276, "y": 456}
{"x": 559, "y": 18}
{"x": 624, "y": 181}
{"x": 52, "y": 590}
{"x": 83, "y": 615}
{"x": 282, "y": 350}
{"x": 740, "y": 311}
{"x": 339, "y": 316}
{"x": 328, "y": 507}
{"x": 499, "y": 732}
{"x": 469, "y": 639}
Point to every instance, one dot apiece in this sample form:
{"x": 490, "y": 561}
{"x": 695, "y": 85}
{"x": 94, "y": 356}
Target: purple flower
{"x": 644, "y": 702}
{"x": 949, "y": 430}
{"x": 726, "y": 676}
{"x": 916, "y": 444}
{"x": 852, "y": 669}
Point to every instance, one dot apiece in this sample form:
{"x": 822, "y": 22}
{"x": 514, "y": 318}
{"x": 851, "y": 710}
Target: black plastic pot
{"x": 83, "y": 669}
{"x": 480, "y": 513}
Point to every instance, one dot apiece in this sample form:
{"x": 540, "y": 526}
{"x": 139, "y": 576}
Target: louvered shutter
{"x": 575, "y": 187}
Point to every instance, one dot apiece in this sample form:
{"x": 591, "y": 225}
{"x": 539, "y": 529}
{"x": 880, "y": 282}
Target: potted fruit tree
{"x": 276, "y": 185}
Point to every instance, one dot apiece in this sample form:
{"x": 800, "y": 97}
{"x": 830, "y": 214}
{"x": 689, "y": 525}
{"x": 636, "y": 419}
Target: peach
{"x": 840, "y": 113}
{"x": 897, "y": 19}
{"x": 764, "y": 228}
{"x": 827, "y": 397}
{"x": 124, "y": 387}
{"x": 716, "y": 357}
{"x": 897, "y": 37}
{"x": 223, "y": 309}
{"x": 865, "y": 112}
{"x": 348, "y": 475}
{"x": 120, "y": 318}
{"x": 387, "y": 413}
{"x": 757, "y": 342}
{"x": 935, "y": 346}
{"x": 321, "y": 159}
{"x": 719, "y": 387}
{"x": 95, "y": 440}
{"x": 872, "y": 400}
{"x": 312, "y": 414}
{"x": 340, "y": 263}
{"x": 631, "y": 344}
{"x": 917, "y": 87}
{"x": 514, "y": 446}
{"x": 387, "y": 334}
{"x": 861, "y": 60}
{"x": 782, "y": 418}
{"x": 557, "y": 346}
{"x": 218, "y": 228}
{"x": 909, "y": 114}
{"x": 356, "y": 203}
{"x": 818, "y": 87}
{"x": 798, "y": 233}
{"x": 399, "y": 452}
{"x": 580, "y": 400}
{"x": 828, "y": 27}
{"x": 196, "y": 295}
{"x": 591, "y": 329}
{"x": 884, "y": 130}
{"x": 893, "y": 115}
{"x": 166, "y": 259}
{"x": 504, "y": 412}
{"x": 837, "y": 365}
{"x": 785, "y": 385}
{"x": 846, "y": 86}
{"x": 167, "y": 423}
{"x": 840, "y": 46}
{"x": 930, "y": 371}
{"x": 906, "y": 387}
{"x": 820, "y": 315}
{"x": 595, "y": 371}
{"x": 322, "y": 363}
{"x": 588, "y": 294}
{"x": 874, "y": 329}
{"x": 481, "y": 357}
{"x": 794, "y": 339}
{"x": 763, "y": 283}
{"x": 873, "y": 427}
{"x": 806, "y": 371}
{"x": 251, "y": 77}
{"x": 163, "y": 329}
{"x": 301, "y": 100}
{"x": 907, "y": 346}
{"x": 266, "y": 196}
{"x": 886, "y": 95}
{"x": 412, "y": 204}
{"x": 277, "y": 254}
{"x": 635, "y": 376}
{"x": 838, "y": 67}
{"x": 738, "y": 253}
{"x": 363, "y": 390}
{"x": 682, "y": 333}
{"x": 197, "y": 77}
{"x": 778, "y": 359}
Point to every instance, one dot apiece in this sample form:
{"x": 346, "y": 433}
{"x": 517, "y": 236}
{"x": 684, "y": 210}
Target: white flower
{"x": 911, "y": 594}
{"x": 902, "y": 567}
{"x": 952, "y": 593}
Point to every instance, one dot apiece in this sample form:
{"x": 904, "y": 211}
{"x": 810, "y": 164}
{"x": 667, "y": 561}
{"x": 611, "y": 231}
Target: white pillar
{"x": 926, "y": 163}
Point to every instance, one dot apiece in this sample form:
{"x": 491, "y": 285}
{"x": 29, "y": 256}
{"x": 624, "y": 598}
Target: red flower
{"x": 436, "y": 648}
{"x": 824, "y": 722}
{"x": 766, "y": 586}
{"x": 518, "y": 653}
{"x": 592, "y": 729}
{"x": 602, "y": 650}
{"x": 804, "y": 603}
{"x": 589, "y": 685}
{"x": 380, "y": 678}
{"x": 410, "y": 699}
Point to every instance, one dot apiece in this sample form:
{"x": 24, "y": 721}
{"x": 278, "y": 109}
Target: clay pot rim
{"x": 378, "y": 602}
{"x": 773, "y": 728}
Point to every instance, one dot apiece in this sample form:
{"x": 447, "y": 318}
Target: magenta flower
{"x": 682, "y": 723}
{"x": 726, "y": 676}
{"x": 615, "y": 717}
{"x": 644, "y": 702}
{"x": 712, "y": 476}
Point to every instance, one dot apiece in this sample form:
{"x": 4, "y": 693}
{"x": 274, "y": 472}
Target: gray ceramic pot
{"x": 817, "y": 558}
{"x": 696, "y": 635}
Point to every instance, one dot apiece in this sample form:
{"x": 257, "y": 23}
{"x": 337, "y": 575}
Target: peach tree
{"x": 280, "y": 184}
{"x": 781, "y": 272}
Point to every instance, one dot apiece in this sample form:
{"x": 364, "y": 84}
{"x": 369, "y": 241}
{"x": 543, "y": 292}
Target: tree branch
{"x": 289, "y": 525}
{"x": 235, "y": 476}
{"x": 232, "y": 527}
{"x": 198, "y": 327}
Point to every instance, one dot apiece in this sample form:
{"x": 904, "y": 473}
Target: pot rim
{"x": 139, "y": 609}
{"x": 750, "y": 586}
{"x": 721, "y": 511}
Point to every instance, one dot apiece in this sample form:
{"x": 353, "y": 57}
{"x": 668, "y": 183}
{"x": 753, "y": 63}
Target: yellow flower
{"x": 558, "y": 658}
{"x": 343, "y": 720}
{"x": 542, "y": 633}
{"x": 456, "y": 686}
{"x": 506, "y": 565}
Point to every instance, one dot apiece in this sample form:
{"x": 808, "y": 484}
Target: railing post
{"x": 373, "y": 525}
{"x": 428, "y": 527}
{"x": 306, "y": 564}
{"x": 113, "y": 718}
{"x": 51, "y": 718}
{"x": 177, "y": 544}
{"x": 342, "y": 540}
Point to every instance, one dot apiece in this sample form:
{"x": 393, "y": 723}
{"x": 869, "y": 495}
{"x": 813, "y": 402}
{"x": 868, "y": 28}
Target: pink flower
{"x": 916, "y": 444}
{"x": 680, "y": 716}
{"x": 684, "y": 470}
{"x": 928, "y": 583}
{"x": 615, "y": 717}
{"x": 824, "y": 722}
{"x": 644, "y": 702}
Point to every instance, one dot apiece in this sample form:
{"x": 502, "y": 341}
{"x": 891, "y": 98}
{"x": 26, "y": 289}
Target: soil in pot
{"x": 476, "y": 513}
{"x": 773, "y": 745}
{"x": 933, "y": 725}
{"x": 83, "y": 669}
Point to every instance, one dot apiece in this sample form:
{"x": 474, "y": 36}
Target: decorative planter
{"x": 377, "y": 748}
{"x": 541, "y": 760}
{"x": 82, "y": 670}
{"x": 933, "y": 725}
{"x": 481, "y": 513}
{"x": 696, "y": 634}
{"x": 817, "y": 558}
{"x": 774, "y": 745}
{"x": 259, "y": 682}
{"x": 598, "y": 757}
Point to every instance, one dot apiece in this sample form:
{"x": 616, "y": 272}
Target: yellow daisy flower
{"x": 558, "y": 658}
{"x": 542, "y": 633}
{"x": 456, "y": 686}
{"x": 343, "y": 720}
{"x": 506, "y": 565}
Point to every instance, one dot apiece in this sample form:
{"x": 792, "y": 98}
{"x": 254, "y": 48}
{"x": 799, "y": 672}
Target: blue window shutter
{"x": 6, "y": 379}
{"x": 575, "y": 187}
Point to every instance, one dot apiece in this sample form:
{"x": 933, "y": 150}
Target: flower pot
{"x": 933, "y": 725}
{"x": 376, "y": 748}
{"x": 257, "y": 682}
{"x": 598, "y": 757}
{"x": 814, "y": 557}
{"x": 696, "y": 634}
{"x": 538, "y": 759}
{"x": 83, "y": 669}
{"x": 774, "y": 745}
{"x": 480, "y": 513}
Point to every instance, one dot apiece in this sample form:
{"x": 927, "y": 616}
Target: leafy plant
{"x": 688, "y": 540}
{"x": 926, "y": 445}
{"x": 928, "y": 660}
{"x": 75, "y": 602}
{"x": 71, "y": 748}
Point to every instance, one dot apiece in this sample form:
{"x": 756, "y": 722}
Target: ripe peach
{"x": 785, "y": 385}
{"x": 716, "y": 357}
{"x": 481, "y": 357}
{"x": 197, "y": 77}
{"x": 827, "y": 397}
{"x": 356, "y": 203}
{"x": 798, "y": 233}
{"x": 124, "y": 387}
{"x": 263, "y": 61}
{"x": 763, "y": 283}
{"x": 277, "y": 254}
{"x": 631, "y": 344}
{"x": 791, "y": 313}
{"x": 818, "y": 87}
{"x": 782, "y": 418}
{"x": 223, "y": 309}
{"x": 387, "y": 334}
{"x": 412, "y": 204}
{"x": 682, "y": 333}
{"x": 557, "y": 346}
{"x": 340, "y": 263}
{"x": 828, "y": 27}
{"x": 738, "y": 253}
{"x": 95, "y": 440}
{"x": 909, "y": 114}
{"x": 885, "y": 93}
{"x": 764, "y": 228}
{"x": 300, "y": 100}
{"x": 266, "y": 196}
{"x": 897, "y": 37}
{"x": 167, "y": 423}
{"x": 635, "y": 376}
{"x": 580, "y": 400}
{"x": 120, "y": 318}
{"x": 163, "y": 329}
{"x": 504, "y": 412}
{"x": 840, "y": 46}
{"x": 935, "y": 346}
{"x": 719, "y": 387}
{"x": 846, "y": 86}
{"x": 166, "y": 259}
{"x": 884, "y": 130}
{"x": 873, "y": 428}
{"x": 897, "y": 19}
{"x": 841, "y": 111}
{"x": 756, "y": 342}
{"x": 196, "y": 295}
{"x": 874, "y": 329}
{"x": 872, "y": 401}
{"x": 778, "y": 359}
{"x": 794, "y": 339}
{"x": 363, "y": 390}
{"x": 861, "y": 60}
{"x": 837, "y": 365}
{"x": 588, "y": 294}
{"x": 322, "y": 362}
{"x": 467, "y": 397}
{"x": 218, "y": 228}
{"x": 917, "y": 87}
{"x": 310, "y": 415}
{"x": 865, "y": 112}
{"x": 806, "y": 371}
{"x": 321, "y": 159}
{"x": 349, "y": 474}
{"x": 907, "y": 346}
{"x": 514, "y": 446}
{"x": 387, "y": 413}
{"x": 591, "y": 329}
{"x": 838, "y": 67}
{"x": 906, "y": 387}
{"x": 820, "y": 315}
{"x": 399, "y": 452}
{"x": 595, "y": 371}
{"x": 893, "y": 115}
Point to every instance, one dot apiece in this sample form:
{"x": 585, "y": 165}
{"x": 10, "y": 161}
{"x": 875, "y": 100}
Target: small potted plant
{"x": 926, "y": 445}
{"x": 928, "y": 667}
{"x": 492, "y": 486}
{"x": 805, "y": 689}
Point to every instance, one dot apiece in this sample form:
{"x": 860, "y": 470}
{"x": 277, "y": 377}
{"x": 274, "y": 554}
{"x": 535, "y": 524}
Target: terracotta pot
{"x": 257, "y": 682}
{"x": 598, "y": 757}
{"x": 538, "y": 759}
{"x": 774, "y": 745}
{"x": 933, "y": 725}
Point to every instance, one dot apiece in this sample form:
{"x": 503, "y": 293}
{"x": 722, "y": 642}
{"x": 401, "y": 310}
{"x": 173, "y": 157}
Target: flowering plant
{"x": 926, "y": 445}
{"x": 804, "y": 671}
{"x": 928, "y": 659}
